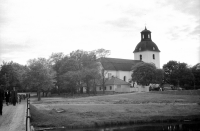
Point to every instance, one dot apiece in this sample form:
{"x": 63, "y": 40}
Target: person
{"x": 19, "y": 99}
{"x": 7, "y": 95}
{"x": 1, "y": 99}
{"x": 14, "y": 96}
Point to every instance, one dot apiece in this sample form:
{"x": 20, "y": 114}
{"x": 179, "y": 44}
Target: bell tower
{"x": 145, "y": 34}
{"x": 146, "y": 50}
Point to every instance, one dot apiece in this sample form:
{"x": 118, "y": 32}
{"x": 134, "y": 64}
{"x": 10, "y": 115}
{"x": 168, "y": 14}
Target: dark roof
{"x": 145, "y": 30}
{"x": 146, "y": 45}
{"x": 118, "y": 64}
{"x": 116, "y": 81}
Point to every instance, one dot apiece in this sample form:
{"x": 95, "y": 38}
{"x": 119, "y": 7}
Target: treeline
{"x": 58, "y": 73}
{"x": 180, "y": 74}
{"x": 69, "y": 73}
{"x": 174, "y": 73}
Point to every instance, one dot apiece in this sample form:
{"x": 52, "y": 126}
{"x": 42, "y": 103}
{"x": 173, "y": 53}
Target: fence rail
{"x": 28, "y": 116}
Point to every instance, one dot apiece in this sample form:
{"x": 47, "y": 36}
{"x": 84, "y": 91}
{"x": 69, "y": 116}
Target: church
{"x": 118, "y": 71}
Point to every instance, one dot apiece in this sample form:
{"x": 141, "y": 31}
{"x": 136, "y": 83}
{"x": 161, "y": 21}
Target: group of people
{"x": 9, "y": 96}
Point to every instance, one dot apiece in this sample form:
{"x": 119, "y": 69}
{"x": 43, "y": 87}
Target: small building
{"x": 115, "y": 85}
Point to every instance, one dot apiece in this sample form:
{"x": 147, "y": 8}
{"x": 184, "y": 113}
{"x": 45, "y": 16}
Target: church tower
{"x": 146, "y": 50}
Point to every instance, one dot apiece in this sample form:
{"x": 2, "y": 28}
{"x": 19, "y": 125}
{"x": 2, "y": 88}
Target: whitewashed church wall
{"x": 113, "y": 73}
{"x": 125, "y": 73}
{"x": 147, "y": 56}
{"x": 119, "y": 74}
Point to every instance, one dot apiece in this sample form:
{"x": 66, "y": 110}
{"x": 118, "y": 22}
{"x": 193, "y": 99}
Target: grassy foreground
{"x": 120, "y": 109}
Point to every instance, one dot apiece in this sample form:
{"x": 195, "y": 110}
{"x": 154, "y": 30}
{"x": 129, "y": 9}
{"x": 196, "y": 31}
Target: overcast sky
{"x": 37, "y": 28}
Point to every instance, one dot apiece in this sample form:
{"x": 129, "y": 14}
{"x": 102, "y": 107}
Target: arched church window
{"x": 148, "y": 36}
{"x": 153, "y": 48}
{"x": 143, "y": 36}
{"x": 140, "y": 49}
{"x": 140, "y": 57}
{"x": 153, "y": 56}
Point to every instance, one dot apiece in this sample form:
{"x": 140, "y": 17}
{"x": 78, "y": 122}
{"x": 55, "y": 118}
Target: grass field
{"x": 117, "y": 109}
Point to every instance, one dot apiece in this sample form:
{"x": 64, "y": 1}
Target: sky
{"x": 37, "y": 28}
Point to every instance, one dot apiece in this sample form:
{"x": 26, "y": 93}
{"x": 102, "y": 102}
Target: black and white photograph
{"x": 99, "y": 65}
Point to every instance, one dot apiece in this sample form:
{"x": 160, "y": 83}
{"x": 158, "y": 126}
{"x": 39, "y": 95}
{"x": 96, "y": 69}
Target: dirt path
{"x": 13, "y": 118}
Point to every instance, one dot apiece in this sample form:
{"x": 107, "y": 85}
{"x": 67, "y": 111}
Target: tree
{"x": 100, "y": 54}
{"x": 88, "y": 67}
{"x": 196, "y": 72}
{"x": 144, "y": 73}
{"x": 69, "y": 74}
{"x": 178, "y": 74}
{"x": 56, "y": 60}
{"x": 41, "y": 74}
{"x": 79, "y": 68}
{"x": 159, "y": 75}
{"x": 12, "y": 75}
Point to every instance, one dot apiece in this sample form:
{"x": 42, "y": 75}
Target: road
{"x": 13, "y": 117}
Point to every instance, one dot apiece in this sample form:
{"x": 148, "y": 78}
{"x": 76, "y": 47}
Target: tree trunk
{"x": 81, "y": 90}
{"x": 58, "y": 90}
{"x": 87, "y": 87}
{"x": 94, "y": 87}
{"x": 39, "y": 97}
{"x": 103, "y": 85}
{"x": 72, "y": 92}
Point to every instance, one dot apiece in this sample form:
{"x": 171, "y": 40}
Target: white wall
{"x": 123, "y": 88}
{"x": 107, "y": 88}
{"x": 119, "y": 74}
{"x": 143, "y": 88}
{"x": 147, "y": 56}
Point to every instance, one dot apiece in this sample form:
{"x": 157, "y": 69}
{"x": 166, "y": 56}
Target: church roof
{"x": 145, "y": 30}
{"x": 116, "y": 81}
{"x": 117, "y": 64}
{"x": 146, "y": 45}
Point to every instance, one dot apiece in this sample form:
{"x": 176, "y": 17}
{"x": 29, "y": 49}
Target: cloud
{"x": 8, "y": 47}
{"x": 186, "y": 6}
{"x": 196, "y": 30}
{"x": 121, "y": 22}
{"x": 17, "y": 52}
{"x": 2, "y": 13}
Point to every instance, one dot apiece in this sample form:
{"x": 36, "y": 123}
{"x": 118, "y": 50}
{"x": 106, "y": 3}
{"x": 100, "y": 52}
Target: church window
{"x": 143, "y": 36}
{"x": 153, "y": 56}
{"x": 153, "y": 48}
{"x": 124, "y": 78}
{"x": 140, "y": 57}
{"x": 148, "y": 36}
{"x": 140, "y": 48}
